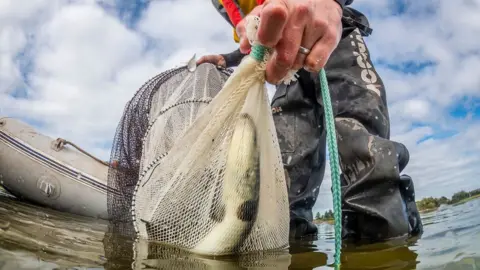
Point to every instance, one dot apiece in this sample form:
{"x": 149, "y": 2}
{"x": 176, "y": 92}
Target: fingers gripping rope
{"x": 260, "y": 54}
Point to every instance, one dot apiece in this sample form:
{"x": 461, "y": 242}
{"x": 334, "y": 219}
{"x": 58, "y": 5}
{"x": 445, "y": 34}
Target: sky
{"x": 68, "y": 67}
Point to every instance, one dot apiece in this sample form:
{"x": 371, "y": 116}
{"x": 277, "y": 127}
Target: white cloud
{"x": 85, "y": 64}
{"x": 417, "y": 108}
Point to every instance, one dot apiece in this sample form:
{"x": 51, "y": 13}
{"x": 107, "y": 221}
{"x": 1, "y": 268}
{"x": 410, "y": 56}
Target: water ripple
{"x": 32, "y": 237}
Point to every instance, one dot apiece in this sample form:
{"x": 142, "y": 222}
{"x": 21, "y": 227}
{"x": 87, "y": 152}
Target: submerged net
{"x": 150, "y": 255}
{"x": 198, "y": 162}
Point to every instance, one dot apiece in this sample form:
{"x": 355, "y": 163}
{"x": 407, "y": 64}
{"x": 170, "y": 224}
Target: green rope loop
{"x": 258, "y": 52}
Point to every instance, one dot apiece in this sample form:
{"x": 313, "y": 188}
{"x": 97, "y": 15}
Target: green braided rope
{"x": 334, "y": 165}
{"x": 258, "y": 52}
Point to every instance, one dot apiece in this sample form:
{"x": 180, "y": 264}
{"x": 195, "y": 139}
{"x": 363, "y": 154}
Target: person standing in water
{"x": 378, "y": 202}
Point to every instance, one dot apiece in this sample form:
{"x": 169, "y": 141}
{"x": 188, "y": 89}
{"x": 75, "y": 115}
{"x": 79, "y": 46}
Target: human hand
{"x": 286, "y": 25}
{"x": 215, "y": 59}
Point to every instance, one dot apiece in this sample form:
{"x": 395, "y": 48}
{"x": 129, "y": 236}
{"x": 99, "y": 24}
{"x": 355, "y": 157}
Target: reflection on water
{"x": 32, "y": 237}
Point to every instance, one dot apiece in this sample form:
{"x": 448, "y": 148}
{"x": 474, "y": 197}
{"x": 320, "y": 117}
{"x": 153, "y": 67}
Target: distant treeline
{"x": 433, "y": 203}
{"x": 428, "y": 203}
{"x": 328, "y": 215}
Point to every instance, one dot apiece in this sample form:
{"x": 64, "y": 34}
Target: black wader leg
{"x": 298, "y": 121}
{"x": 377, "y": 201}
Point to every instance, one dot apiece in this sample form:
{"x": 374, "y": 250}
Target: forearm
{"x": 234, "y": 58}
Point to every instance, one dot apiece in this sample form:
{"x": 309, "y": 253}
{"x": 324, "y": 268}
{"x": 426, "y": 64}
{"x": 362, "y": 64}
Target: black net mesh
{"x": 127, "y": 150}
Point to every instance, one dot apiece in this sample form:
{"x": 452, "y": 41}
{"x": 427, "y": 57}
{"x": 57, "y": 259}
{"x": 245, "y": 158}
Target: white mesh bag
{"x": 212, "y": 178}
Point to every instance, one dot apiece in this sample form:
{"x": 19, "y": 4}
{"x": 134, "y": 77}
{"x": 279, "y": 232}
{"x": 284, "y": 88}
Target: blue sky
{"x": 68, "y": 68}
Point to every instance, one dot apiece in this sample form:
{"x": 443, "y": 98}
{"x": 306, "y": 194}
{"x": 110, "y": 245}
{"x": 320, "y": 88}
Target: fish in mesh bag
{"x": 212, "y": 179}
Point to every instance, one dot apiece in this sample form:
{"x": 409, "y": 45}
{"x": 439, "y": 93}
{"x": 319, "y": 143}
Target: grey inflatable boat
{"x": 51, "y": 172}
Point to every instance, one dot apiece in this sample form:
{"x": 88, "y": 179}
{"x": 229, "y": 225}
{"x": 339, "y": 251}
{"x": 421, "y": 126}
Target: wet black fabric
{"x": 377, "y": 202}
{"x": 343, "y": 3}
{"x": 233, "y": 59}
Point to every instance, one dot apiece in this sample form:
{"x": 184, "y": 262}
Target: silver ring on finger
{"x": 303, "y": 50}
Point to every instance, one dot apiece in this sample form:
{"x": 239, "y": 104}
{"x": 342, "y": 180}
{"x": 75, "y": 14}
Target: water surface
{"x": 33, "y": 237}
